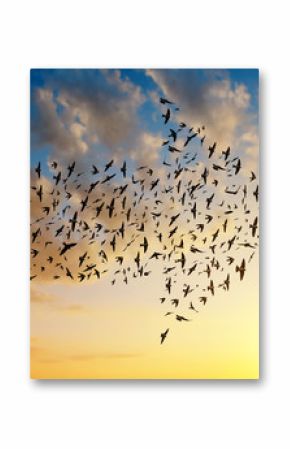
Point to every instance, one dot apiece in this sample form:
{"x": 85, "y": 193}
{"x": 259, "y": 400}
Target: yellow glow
{"x": 97, "y": 331}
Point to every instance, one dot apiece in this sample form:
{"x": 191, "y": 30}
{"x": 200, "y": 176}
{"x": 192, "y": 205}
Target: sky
{"x": 93, "y": 329}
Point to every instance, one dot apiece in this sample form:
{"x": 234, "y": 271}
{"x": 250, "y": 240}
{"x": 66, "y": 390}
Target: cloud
{"x": 102, "y": 355}
{"x": 48, "y": 128}
{"x": 147, "y": 148}
{"x": 208, "y": 97}
{"x": 77, "y": 109}
{"x": 41, "y": 352}
{"x": 42, "y": 297}
{"x": 73, "y": 308}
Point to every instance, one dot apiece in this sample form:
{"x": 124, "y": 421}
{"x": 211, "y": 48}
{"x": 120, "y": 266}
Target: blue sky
{"x": 96, "y": 114}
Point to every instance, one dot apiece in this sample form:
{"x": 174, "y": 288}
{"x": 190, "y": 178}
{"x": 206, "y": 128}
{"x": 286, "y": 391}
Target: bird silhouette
{"x": 165, "y": 101}
{"x": 166, "y": 116}
{"x": 241, "y": 269}
{"x": 66, "y": 247}
{"x": 164, "y": 335}
{"x": 38, "y": 170}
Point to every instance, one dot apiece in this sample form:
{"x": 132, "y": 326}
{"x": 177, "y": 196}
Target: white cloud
{"x": 211, "y": 100}
{"x": 75, "y": 112}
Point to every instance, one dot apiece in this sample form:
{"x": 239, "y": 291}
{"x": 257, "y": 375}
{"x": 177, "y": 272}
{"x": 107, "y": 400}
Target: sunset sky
{"x": 93, "y": 329}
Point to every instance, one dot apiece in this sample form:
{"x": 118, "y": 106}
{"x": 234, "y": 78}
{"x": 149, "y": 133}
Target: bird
{"x": 165, "y": 101}
{"x": 124, "y": 169}
{"x": 208, "y": 270}
{"x": 108, "y": 178}
{"x": 237, "y": 166}
{"x": 226, "y": 282}
{"x": 256, "y": 193}
{"x": 254, "y": 226}
{"x": 173, "y": 134}
{"x": 68, "y": 273}
{"x": 205, "y": 175}
{"x": 59, "y": 231}
{"x": 253, "y": 176}
{"x": 211, "y": 287}
{"x": 108, "y": 165}
{"x": 209, "y": 200}
{"x": 175, "y": 302}
{"x": 187, "y": 290}
{"x": 35, "y": 234}
{"x": 113, "y": 243}
{"x": 110, "y": 207}
{"x": 211, "y": 150}
{"x": 191, "y": 307}
{"x": 181, "y": 318}
{"x": 231, "y": 242}
{"x": 155, "y": 255}
{"x": 73, "y": 221}
{"x": 225, "y": 224}
{"x": 70, "y": 169}
{"x": 191, "y": 269}
{"x": 57, "y": 178}
{"x": 66, "y": 247}
{"x": 39, "y": 193}
{"x": 166, "y": 116}
{"x": 173, "y": 149}
{"x": 144, "y": 244}
{"x": 217, "y": 167}
{"x": 84, "y": 203}
{"x": 164, "y": 335}
{"x": 168, "y": 285}
{"x": 92, "y": 186}
{"x": 34, "y": 252}
{"x": 38, "y": 170}
{"x": 226, "y": 153}
{"x": 95, "y": 170}
{"x": 241, "y": 269}
{"x": 182, "y": 260}
{"x": 189, "y": 138}
{"x": 82, "y": 259}
{"x": 215, "y": 235}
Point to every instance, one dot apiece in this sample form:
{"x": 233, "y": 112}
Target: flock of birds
{"x": 190, "y": 214}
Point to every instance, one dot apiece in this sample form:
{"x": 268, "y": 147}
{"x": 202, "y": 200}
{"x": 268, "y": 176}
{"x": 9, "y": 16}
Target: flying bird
{"x": 66, "y": 247}
{"x": 164, "y": 335}
{"x": 38, "y": 170}
{"x": 166, "y": 116}
{"x": 241, "y": 269}
{"x": 124, "y": 169}
{"x": 165, "y": 101}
